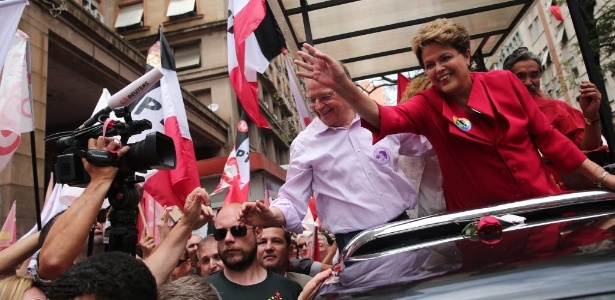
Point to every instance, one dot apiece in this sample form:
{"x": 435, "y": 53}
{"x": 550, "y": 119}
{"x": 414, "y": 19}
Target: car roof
{"x": 550, "y": 247}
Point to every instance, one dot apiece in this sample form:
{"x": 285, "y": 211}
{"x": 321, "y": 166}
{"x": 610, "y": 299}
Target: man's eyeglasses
{"x": 236, "y": 231}
{"x": 532, "y": 75}
{"x": 180, "y": 262}
{"x": 300, "y": 246}
{"x": 322, "y": 98}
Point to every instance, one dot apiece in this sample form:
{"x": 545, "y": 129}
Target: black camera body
{"x": 156, "y": 151}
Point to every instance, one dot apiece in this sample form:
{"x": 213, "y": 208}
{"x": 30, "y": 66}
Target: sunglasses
{"x": 300, "y": 246}
{"x": 236, "y": 231}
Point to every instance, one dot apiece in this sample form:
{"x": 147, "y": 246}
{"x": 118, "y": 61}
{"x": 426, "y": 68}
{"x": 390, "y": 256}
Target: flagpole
{"x": 37, "y": 204}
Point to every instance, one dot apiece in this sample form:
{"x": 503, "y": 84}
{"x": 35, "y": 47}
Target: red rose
{"x": 489, "y": 230}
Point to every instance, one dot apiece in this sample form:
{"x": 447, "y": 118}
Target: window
{"x": 535, "y": 29}
{"x": 562, "y": 37}
{"x": 92, "y": 7}
{"x": 179, "y": 9}
{"x": 187, "y": 57}
{"x": 130, "y": 17}
{"x": 545, "y": 59}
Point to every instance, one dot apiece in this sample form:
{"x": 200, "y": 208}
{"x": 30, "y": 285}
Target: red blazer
{"x": 489, "y": 158}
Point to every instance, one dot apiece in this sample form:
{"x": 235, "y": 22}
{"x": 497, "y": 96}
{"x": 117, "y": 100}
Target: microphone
{"x": 127, "y": 95}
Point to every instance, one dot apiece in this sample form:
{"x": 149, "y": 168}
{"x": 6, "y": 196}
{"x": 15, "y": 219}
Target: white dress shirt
{"x": 358, "y": 185}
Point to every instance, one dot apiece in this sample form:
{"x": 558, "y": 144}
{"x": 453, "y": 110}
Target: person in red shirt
{"x": 581, "y": 127}
{"x": 485, "y": 127}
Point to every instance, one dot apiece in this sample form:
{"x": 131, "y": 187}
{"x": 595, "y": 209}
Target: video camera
{"x": 156, "y": 151}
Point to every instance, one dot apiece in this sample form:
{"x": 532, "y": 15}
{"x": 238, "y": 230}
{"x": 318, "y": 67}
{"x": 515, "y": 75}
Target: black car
{"x": 556, "y": 247}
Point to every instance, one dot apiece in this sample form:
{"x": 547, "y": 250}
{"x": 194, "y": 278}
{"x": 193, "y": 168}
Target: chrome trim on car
{"x": 519, "y": 207}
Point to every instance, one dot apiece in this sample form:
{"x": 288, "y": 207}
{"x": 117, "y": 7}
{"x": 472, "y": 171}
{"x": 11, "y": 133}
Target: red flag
{"x": 316, "y": 249}
{"x": 253, "y": 40}
{"x": 15, "y": 96}
{"x": 8, "y": 235}
{"x": 312, "y": 206}
{"x": 402, "y": 84}
{"x": 557, "y": 12}
{"x": 235, "y": 194}
{"x": 236, "y": 172}
{"x": 163, "y": 105}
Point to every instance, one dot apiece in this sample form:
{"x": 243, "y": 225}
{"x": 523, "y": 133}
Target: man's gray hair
{"x": 207, "y": 239}
{"x": 188, "y": 288}
{"x": 521, "y": 54}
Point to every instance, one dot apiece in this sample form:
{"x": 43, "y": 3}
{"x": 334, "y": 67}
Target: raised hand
{"x": 163, "y": 224}
{"x": 320, "y": 67}
{"x": 312, "y": 286}
{"x": 197, "y": 211}
{"x": 257, "y": 214}
{"x": 589, "y": 100}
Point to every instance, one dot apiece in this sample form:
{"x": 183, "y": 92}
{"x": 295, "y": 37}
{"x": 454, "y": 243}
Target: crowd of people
{"x": 464, "y": 139}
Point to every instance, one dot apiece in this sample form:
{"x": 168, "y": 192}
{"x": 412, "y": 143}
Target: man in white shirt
{"x": 358, "y": 184}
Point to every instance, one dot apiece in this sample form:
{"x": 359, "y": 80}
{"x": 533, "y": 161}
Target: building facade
{"x": 80, "y": 47}
{"x": 556, "y": 44}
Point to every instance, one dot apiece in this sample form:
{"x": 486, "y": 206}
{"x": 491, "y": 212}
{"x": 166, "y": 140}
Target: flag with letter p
{"x": 163, "y": 105}
{"x": 236, "y": 174}
{"x": 15, "y": 97}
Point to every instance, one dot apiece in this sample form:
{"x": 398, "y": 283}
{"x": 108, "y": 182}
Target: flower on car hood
{"x": 487, "y": 230}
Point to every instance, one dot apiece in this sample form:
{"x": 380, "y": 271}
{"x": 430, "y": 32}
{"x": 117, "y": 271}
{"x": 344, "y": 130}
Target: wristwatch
{"x": 589, "y": 121}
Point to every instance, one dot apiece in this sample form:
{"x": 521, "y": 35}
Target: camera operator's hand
{"x": 197, "y": 211}
{"x": 107, "y": 172}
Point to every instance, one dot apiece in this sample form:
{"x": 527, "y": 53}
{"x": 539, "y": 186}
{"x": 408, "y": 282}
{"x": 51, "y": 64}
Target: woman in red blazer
{"x": 485, "y": 127}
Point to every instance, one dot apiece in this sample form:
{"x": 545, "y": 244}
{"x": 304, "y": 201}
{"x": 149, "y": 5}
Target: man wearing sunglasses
{"x": 335, "y": 159}
{"x": 243, "y": 277}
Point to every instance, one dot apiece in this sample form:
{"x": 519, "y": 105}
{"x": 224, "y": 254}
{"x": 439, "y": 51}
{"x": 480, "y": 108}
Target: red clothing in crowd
{"x": 490, "y": 157}
{"x": 565, "y": 118}
{"x": 569, "y": 121}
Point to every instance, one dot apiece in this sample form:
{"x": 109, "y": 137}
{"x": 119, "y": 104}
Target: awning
{"x": 180, "y": 7}
{"x": 129, "y": 15}
{"x": 188, "y": 56}
{"x": 372, "y": 37}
